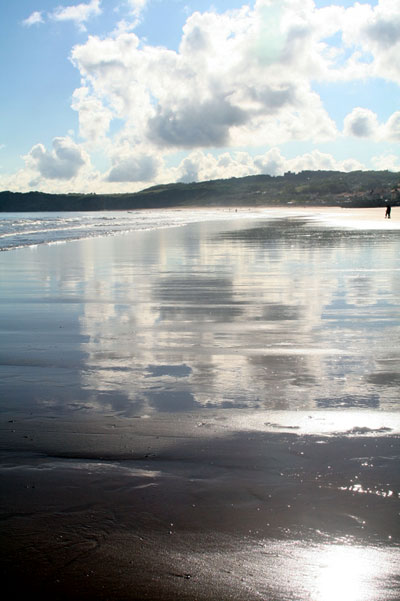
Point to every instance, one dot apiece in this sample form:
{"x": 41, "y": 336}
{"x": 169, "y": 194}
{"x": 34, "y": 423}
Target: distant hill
{"x": 310, "y": 188}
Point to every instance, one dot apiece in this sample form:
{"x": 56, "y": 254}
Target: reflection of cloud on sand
{"x": 279, "y": 314}
{"x": 205, "y": 297}
{"x": 351, "y": 401}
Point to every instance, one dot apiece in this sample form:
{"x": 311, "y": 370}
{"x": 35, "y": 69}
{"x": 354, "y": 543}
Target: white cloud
{"x": 317, "y": 160}
{"x": 94, "y": 117}
{"x": 63, "y": 162}
{"x": 392, "y": 127}
{"x": 79, "y": 13}
{"x": 204, "y": 124}
{"x": 375, "y": 32}
{"x": 390, "y": 162}
{"x": 137, "y": 6}
{"x": 189, "y": 170}
{"x": 34, "y": 19}
{"x": 271, "y": 163}
{"x": 134, "y": 168}
{"x": 223, "y": 87}
{"x": 361, "y": 123}
{"x": 200, "y": 166}
{"x": 135, "y": 9}
{"x": 45, "y": 171}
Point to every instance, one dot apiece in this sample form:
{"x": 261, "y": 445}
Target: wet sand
{"x": 206, "y": 412}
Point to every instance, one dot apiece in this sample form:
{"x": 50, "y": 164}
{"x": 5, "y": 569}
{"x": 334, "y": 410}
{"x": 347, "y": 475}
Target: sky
{"x": 108, "y": 96}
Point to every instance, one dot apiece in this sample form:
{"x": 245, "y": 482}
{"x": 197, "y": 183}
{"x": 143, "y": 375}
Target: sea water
{"x": 18, "y": 230}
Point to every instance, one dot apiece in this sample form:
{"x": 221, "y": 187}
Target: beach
{"x": 204, "y": 410}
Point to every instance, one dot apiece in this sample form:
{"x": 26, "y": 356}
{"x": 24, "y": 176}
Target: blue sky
{"x": 118, "y": 95}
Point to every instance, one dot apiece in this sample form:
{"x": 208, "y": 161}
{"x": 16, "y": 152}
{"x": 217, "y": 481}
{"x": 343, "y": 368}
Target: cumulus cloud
{"x": 63, "y": 162}
{"x": 200, "y": 166}
{"x": 34, "y": 19}
{"x": 79, "y": 13}
{"x": 220, "y": 88}
{"x": 274, "y": 163}
{"x": 94, "y": 117}
{"x": 271, "y": 163}
{"x": 130, "y": 172}
{"x": 189, "y": 170}
{"x": 384, "y": 32}
{"x": 374, "y": 33}
{"x": 317, "y": 160}
{"x": 361, "y": 123}
{"x": 135, "y": 168}
{"x": 392, "y": 127}
{"x": 203, "y": 124}
{"x": 390, "y": 162}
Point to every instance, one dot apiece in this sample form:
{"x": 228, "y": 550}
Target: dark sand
{"x": 207, "y": 412}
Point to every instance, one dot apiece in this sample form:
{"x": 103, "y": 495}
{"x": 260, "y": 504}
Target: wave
{"x": 33, "y": 229}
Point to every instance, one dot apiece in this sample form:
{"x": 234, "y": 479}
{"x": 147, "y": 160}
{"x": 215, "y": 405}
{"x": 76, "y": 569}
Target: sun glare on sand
{"x": 345, "y": 574}
{"x": 337, "y": 572}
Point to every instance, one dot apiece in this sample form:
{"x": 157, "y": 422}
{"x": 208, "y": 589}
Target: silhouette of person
{"x": 388, "y": 210}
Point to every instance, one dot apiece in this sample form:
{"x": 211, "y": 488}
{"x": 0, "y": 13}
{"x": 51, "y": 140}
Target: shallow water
{"x": 284, "y": 314}
{"x": 19, "y": 230}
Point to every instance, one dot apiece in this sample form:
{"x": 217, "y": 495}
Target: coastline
{"x": 21, "y": 230}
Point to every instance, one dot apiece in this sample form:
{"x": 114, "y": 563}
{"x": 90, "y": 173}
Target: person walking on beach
{"x": 388, "y": 211}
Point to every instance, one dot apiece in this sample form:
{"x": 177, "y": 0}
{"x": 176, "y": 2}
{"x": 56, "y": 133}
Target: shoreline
{"x": 330, "y": 217}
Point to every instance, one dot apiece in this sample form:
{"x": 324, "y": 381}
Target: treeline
{"x": 330, "y": 188}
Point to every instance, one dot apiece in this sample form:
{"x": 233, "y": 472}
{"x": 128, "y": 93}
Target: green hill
{"x": 308, "y": 188}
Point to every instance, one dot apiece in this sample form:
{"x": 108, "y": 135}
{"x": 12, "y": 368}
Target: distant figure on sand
{"x": 388, "y": 210}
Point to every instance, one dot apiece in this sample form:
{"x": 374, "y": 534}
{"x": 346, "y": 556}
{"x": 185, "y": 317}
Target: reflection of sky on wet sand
{"x": 279, "y": 314}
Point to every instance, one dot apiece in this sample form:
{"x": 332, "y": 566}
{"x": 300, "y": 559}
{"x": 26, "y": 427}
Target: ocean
{"x": 18, "y": 230}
